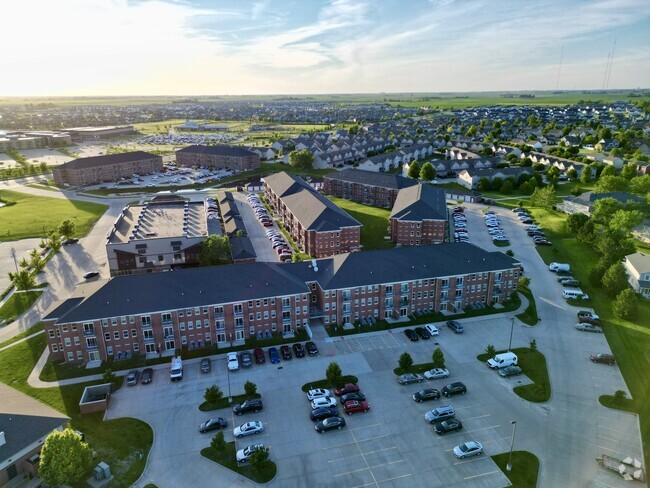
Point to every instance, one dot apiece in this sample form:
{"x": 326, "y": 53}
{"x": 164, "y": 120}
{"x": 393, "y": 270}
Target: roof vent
{"x": 3, "y": 441}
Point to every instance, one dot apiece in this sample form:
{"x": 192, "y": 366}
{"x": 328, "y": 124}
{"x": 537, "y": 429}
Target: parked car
{"x": 412, "y": 336}
{"x": 213, "y": 424}
{"x": 286, "y": 352}
{"x": 347, "y": 388}
{"x": 299, "y": 350}
{"x": 571, "y": 283}
{"x": 352, "y": 396}
{"x": 426, "y": 395}
{"x": 250, "y": 405}
{"x": 322, "y": 413}
{"x": 233, "y": 361}
{"x": 246, "y": 359}
{"x": 408, "y": 378}
{"x": 456, "y": 388}
{"x": 602, "y": 357}
{"x": 468, "y": 449}
{"x": 312, "y": 350}
{"x": 205, "y": 365}
{"x": 354, "y": 406}
{"x": 457, "y": 327}
{"x": 249, "y": 428}
{"x": 432, "y": 329}
{"x": 67, "y": 242}
{"x": 330, "y": 424}
{"x": 436, "y": 373}
{"x": 423, "y": 333}
{"x": 274, "y": 356}
{"x": 244, "y": 455}
{"x": 323, "y": 402}
{"x": 440, "y": 413}
{"x": 147, "y": 376}
{"x": 585, "y": 316}
{"x": 317, "y": 393}
{"x": 259, "y": 355}
{"x": 449, "y": 425}
{"x": 132, "y": 377}
{"x": 589, "y": 328}
{"x": 90, "y": 274}
{"x": 509, "y": 371}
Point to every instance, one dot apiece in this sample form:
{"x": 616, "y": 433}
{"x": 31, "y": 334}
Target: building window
{"x": 67, "y": 342}
{"x": 125, "y": 334}
{"x": 70, "y": 356}
{"x": 76, "y": 340}
{"x": 134, "y": 333}
{"x": 116, "y": 336}
{"x": 55, "y": 348}
{"x": 123, "y": 320}
{"x": 51, "y": 333}
{"x": 190, "y": 325}
{"x": 136, "y": 346}
{"x": 251, "y": 331}
{"x": 113, "y": 321}
{"x": 107, "y": 336}
{"x": 109, "y": 350}
{"x": 182, "y": 325}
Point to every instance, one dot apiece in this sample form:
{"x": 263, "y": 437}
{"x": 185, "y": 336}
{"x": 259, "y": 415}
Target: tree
{"x": 405, "y": 361}
{"x": 552, "y": 174}
{"x": 543, "y": 197}
{"x": 496, "y": 183}
{"x": 604, "y": 210}
{"x": 585, "y": 177}
{"x": 54, "y": 241}
{"x": 507, "y": 187}
{"x": 64, "y": 458}
{"x": 629, "y": 171}
{"x": 23, "y": 279}
{"x": 438, "y": 358}
{"x": 533, "y": 345}
{"x": 610, "y": 183}
{"x": 572, "y": 174}
{"x": 608, "y": 171}
{"x": 625, "y": 306}
{"x": 414, "y": 170}
{"x": 614, "y": 280}
{"x": 427, "y": 172}
{"x": 301, "y": 159}
{"x": 67, "y": 228}
{"x": 215, "y": 250}
{"x": 259, "y": 458}
{"x": 483, "y": 184}
{"x": 619, "y": 396}
{"x": 250, "y": 388}
{"x": 640, "y": 184}
{"x": 575, "y": 222}
{"x": 587, "y": 233}
{"x": 213, "y": 394}
{"x": 490, "y": 350}
{"x": 218, "y": 443}
{"x": 523, "y": 284}
{"x": 334, "y": 374}
{"x": 625, "y": 220}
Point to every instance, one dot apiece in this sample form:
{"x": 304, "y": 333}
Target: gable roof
{"x": 420, "y": 202}
{"x": 242, "y": 248}
{"x": 219, "y": 150}
{"x": 313, "y": 210}
{"x": 373, "y": 178}
{"x": 639, "y": 261}
{"x": 97, "y": 161}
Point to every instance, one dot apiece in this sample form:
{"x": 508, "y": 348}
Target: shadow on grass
{"x": 227, "y": 458}
{"x": 326, "y": 383}
{"x": 525, "y": 468}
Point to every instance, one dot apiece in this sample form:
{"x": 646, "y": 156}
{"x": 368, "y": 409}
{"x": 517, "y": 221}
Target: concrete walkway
{"x": 21, "y": 340}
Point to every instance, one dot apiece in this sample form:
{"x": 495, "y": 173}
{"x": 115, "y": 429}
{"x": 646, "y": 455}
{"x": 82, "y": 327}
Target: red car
{"x": 356, "y": 406}
{"x": 259, "y": 356}
{"x": 347, "y": 388}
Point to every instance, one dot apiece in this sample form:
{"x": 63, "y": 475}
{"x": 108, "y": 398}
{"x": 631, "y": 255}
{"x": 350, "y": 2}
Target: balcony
{"x": 89, "y": 332}
{"x": 238, "y": 313}
{"x": 91, "y": 347}
{"x": 403, "y": 301}
{"x": 316, "y": 313}
{"x": 168, "y": 334}
{"x": 145, "y": 325}
{"x": 346, "y": 297}
{"x": 286, "y": 320}
{"x": 286, "y": 306}
{"x": 149, "y": 339}
{"x": 167, "y": 322}
{"x": 219, "y": 315}
{"x": 389, "y": 293}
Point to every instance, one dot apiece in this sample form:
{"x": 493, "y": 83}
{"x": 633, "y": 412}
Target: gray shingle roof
{"x": 96, "y": 161}
{"x": 374, "y": 178}
{"x": 313, "y": 210}
{"x": 220, "y": 150}
{"x": 242, "y": 248}
{"x": 421, "y": 202}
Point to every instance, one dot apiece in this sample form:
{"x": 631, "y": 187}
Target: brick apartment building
{"x": 419, "y": 216}
{"x": 223, "y": 157}
{"x": 109, "y": 168}
{"x": 318, "y": 226}
{"x": 367, "y": 187}
{"x": 224, "y": 305}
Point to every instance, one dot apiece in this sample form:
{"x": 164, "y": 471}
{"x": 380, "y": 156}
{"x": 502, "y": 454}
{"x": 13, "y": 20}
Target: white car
{"x": 436, "y": 373}
{"x": 317, "y": 393}
{"x": 468, "y": 449}
{"x": 248, "y": 428}
{"x": 233, "y": 361}
{"x": 244, "y": 455}
{"x": 323, "y": 402}
{"x": 432, "y": 329}
{"x": 532, "y": 227}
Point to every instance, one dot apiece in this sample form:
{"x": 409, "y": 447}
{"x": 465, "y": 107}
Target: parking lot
{"x": 255, "y": 230}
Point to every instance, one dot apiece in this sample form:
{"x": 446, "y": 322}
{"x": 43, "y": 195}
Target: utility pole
{"x": 13, "y": 254}
{"x": 512, "y": 443}
{"x": 512, "y": 328}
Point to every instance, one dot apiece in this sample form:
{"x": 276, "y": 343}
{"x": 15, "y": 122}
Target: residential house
{"x": 637, "y": 266}
{"x": 585, "y": 202}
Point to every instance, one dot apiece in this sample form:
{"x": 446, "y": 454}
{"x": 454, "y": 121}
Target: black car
{"x": 286, "y": 352}
{"x": 213, "y": 424}
{"x": 205, "y": 365}
{"x": 147, "y": 376}
{"x": 426, "y": 395}
{"x": 449, "y": 425}
{"x": 73, "y": 240}
{"x": 90, "y": 274}
{"x": 250, "y": 405}
{"x": 561, "y": 272}
{"x": 329, "y": 424}
{"x": 457, "y": 388}
{"x": 358, "y": 396}
{"x": 423, "y": 333}
{"x": 410, "y": 333}
{"x": 312, "y": 350}
{"x": 323, "y": 413}
{"x": 246, "y": 359}
{"x": 298, "y": 350}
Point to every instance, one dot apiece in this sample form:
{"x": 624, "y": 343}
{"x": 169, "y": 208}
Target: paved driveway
{"x": 256, "y": 231}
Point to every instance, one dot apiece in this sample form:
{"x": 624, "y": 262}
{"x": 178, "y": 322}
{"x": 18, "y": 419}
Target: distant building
{"x": 16, "y": 143}
{"x": 99, "y": 133}
{"x": 367, "y": 187}
{"x": 159, "y": 236}
{"x": 109, "y": 168}
{"x": 25, "y": 423}
{"x": 585, "y": 203}
{"x": 221, "y": 156}
{"x": 419, "y": 216}
{"x": 637, "y": 266}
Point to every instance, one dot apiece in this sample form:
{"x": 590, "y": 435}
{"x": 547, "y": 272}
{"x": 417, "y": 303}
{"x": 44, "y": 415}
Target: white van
{"x": 555, "y": 267}
{"x": 574, "y": 293}
{"x": 502, "y": 360}
{"x": 176, "y": 373}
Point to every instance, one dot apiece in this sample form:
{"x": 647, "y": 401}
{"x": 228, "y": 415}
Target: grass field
{"x": 123, "y": 443}
{"x": 525, "y": 468}
{"x": 17, "y": 304}
{"x": 227, "y": 458}
{"x": 32, "y": 330}
{"x": 31, "y": 216}
{"x": 374, "y": 220}
{"x": 628, "y": 340}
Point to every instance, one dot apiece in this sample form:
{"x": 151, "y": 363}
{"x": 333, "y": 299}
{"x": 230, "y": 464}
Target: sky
{"x": 236, "y": 47}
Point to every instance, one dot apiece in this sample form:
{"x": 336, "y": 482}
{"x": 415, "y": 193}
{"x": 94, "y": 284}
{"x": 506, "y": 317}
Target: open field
{"x": 525, "y": 467}
{"x": 17, "y": 304}
{"x": 374, "y": 220}
{"x": 28, "y": 218}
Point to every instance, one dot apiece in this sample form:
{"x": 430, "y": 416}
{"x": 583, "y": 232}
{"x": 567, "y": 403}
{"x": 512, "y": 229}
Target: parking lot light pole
{"x": 512, "y": 328}
{"x": 228, "y": 369}
{"x": 512, "y": 443}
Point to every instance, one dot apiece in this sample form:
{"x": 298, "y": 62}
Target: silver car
{"x": 249, "y": 428}
{"x": 408, "y": 378}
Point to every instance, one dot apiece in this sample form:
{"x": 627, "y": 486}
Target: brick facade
{"x": 222, "y": 157}
{"x": 420, "y": 233}
{"x": 101, "y": 169}
{"x": 362, "y": 193}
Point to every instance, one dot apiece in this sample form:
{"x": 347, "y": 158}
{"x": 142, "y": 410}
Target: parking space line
{"x": 354, "y": 471}
{"x": 366, "y": 427}
{"x": 483, "y": 428}
{"x": 381, "y": 450}
{"x": 480, "y": 416}
{"x": 608, "y": 438}
{"x": 396, "y": 477}
{"x": 475, "y": 458}
{"x": 386, "y": 464}
{"x": 343, "y": 458}
{"x": 482, "y": 474}
{"x": 336, "y": 447}
{"x": 606, "y": 448}
{"x": 365, "y": 460}
{"x": 373, "y": 438}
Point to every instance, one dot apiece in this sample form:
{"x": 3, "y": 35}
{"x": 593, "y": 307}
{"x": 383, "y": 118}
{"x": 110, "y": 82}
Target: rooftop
{"x": 420, "y": 202}
{"x": 220, "y": 150}
{"x": 96, "y": 161}
{"x": 384, "y": 180}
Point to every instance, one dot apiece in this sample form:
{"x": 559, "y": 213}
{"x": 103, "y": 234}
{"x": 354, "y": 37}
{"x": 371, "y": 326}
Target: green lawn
{"x": 416, "y": 368}
{"x": 525, "y": 468}
{"x": 628, "y": 340}
{"x": 17, "y": 304}
{"x": 228, "y": 459}
{"x": 374, "y": 220}
{"x": 224, "y": 403}
{"x": 529, "y": 316}
{"x": 32, "y": 330}
{"x": 533, "y": 363}
{"x": 31, "y": 216}
{"x": 122, "y": 443}
{"x": 325, "y": 383}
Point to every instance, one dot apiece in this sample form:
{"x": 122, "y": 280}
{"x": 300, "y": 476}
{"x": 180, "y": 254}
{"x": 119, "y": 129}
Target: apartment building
{"x": 318, "y": 226}
{"x": 221, "y": 156}
{"x": 100, "y": 133}
{"x": 419, "y": 216}
{"x": 108, "y": 168}
{"x": 151, "y": 314}
{"x": 367, "y": 187}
